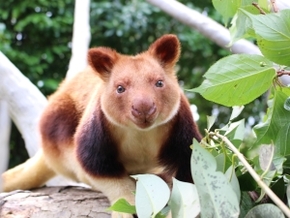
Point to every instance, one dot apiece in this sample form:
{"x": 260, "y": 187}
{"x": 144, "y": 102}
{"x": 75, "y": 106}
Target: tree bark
{"x": 5, "y": 127}
{"x": 53, "y": 202}
{"x": 81, "y": 38}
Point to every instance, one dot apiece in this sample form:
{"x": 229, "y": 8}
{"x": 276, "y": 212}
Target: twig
{"x": 274, "y": 6}
{"x": 283, "y": 72}
{"x": 257, "y": 178}
{"x": 259, "y": 8}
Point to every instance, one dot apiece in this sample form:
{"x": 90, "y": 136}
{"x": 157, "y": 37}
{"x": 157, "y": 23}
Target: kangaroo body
{"x": 123, "y": 115}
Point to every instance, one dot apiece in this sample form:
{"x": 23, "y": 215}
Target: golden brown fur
{"x": 123, "y": 115}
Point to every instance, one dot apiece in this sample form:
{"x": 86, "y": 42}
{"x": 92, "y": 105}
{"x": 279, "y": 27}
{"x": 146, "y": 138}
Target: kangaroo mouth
{"x": 144, "y": 123}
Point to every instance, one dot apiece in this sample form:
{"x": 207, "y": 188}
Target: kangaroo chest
{"x": 139, "y": 151}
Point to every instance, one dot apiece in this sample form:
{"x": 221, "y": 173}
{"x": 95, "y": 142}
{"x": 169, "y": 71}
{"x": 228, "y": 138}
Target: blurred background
{"x": 36, "y": 36}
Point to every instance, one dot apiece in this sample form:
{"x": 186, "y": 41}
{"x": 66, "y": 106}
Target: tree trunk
{"x": 5, "y": 127}
{"x": 25, "y": 102}
{"x": 54, "y": 202}
{"x": 81, "y": 38}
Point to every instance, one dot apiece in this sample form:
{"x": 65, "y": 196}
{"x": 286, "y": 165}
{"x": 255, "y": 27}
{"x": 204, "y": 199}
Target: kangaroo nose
{"x": 143, "y": 109}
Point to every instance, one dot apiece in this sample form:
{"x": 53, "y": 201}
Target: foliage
{"x": 215, "y": 192}
{"x": 148, "y": 202}
{"x": 184, "y": 201}
{"x": 152, "y": 195}
{"x": 239, "y": 80}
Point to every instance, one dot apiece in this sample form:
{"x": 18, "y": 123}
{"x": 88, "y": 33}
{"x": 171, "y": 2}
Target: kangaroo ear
{"x": 102, "y": 60}
{"x": 166, "y": 50}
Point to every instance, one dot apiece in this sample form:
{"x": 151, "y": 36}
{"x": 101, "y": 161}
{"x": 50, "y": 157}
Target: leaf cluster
{"x": 240, "y": 79}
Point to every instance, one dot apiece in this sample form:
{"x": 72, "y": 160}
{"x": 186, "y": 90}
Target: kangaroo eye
{"x": 159, "y": 83}
{"x": 120, "y": 89}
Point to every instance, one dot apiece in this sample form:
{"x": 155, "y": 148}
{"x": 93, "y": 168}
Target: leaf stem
{"x": 283, "y": 72}
{"x": 253, "y": 173}
{"x": 259, "y": 8}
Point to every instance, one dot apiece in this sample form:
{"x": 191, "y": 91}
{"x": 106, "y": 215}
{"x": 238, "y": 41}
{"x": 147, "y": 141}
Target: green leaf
{"x": 279, "y": 188}
{"x": 286, "y": 165}
{"x": 266, "y": 154}
{"x": 270, "y": 172}
{"x": 123, "y": 206}
{"x": 242, "y": 24}
{"x": 276, "y": 51}
{"x": 216, "y": 195}
{"x": 163, "y": 213}
{"x": 273, "y": 35}
{"x": 246, "y": 204}
{"x": 247, "y": 183}
{"x": 232, "y": 178}
{"x": 237, "y": 110}
{"x": 265, "y": 211}
{"x": 277, "y": 126}
{"x": 264, "y": 4}
{"x": 184, "y": 200}
{"x": 287, "y": 104}
{"x": 223, "y": 162}
{"x": 210, "y": 121}
{"x": 246, "y": 2}
{"x": 228, "y": 11}
{"x": 152, "y": 194}
{"x": 236, "y": 131}
{"x": 237, "y": 79}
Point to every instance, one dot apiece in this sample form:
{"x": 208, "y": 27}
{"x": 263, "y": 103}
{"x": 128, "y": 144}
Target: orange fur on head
{"x": 166, "y": 50}
{"x": 139, "y": 105}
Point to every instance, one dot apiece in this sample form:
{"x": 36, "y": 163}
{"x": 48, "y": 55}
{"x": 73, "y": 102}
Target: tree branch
{"x": 25, "y": 102}
{"x": 5, "y": 127}
{"x": 81, "y": 37}
{"x": 205, "y": 25}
